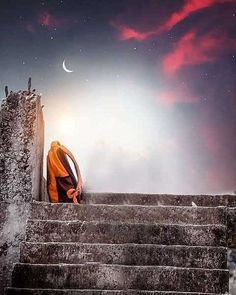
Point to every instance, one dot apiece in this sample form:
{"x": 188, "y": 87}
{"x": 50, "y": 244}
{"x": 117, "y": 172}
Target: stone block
{"x": 157, "y": 199}
{"x": 130, "y": 214}
{"x": 118, "y": 277}
{"x": 120, "y": 233}
{"x": 124, "y": 254}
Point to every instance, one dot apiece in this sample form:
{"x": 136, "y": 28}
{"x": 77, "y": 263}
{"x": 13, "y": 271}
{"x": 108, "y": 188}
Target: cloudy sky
{"x": 151, "y": 103}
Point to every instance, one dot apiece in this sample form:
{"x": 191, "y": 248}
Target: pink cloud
{"x": 180, "y": 95}
{"x": 189, "y": 7}
{"x": 127, "y": 33}
{"x": 194, "y": 50}
{"x": 50, "y": 21}
{"x": 46, "y": 19}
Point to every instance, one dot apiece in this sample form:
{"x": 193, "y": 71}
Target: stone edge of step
{"x": 129, "y": 205}
{"x": 75, "y": 246}
{"x": 111, "y": 291}
{"x": 126, "y": 244}
{"x": 92, "y": 193}
{"x": 59, "y": 265}
{"x": 225, "y": 199}
{"x": 82, "y": 222}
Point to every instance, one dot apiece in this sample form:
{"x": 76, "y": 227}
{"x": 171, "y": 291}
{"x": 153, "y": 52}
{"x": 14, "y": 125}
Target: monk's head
{"x": 55, "y": 143}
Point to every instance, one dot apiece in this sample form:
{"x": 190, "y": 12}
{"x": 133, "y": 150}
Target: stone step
{"x": 119, "y": 277}
{"x": 121, "y": 233}
{"x": 23, "y": 291}
{"x": 130, "y": 214}
{"x": 124, "y": 254}
{"x": 160, "y": 199}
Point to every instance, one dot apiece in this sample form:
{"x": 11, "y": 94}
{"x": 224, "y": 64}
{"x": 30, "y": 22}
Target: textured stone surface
{"x": 21, "y": 152}
{"x": 15, "y": 291}
{"x": 124, "y": 248}
{"x": 232, "y": 282}
{"x": 232, "y": 270}
{"x": 119, "y": 233}
{"x": 232, "y": 227}
{"x": 157, "y": 199}
{"x": 125, "y": 254}
{"x": 13, "y": 223}
{"x": 130, "y": 214}
{"x": 44, "y": 194}
{"x": 232, "y": 251}
{"x": 102, "y": 276}
{"x": 21, "y": 147}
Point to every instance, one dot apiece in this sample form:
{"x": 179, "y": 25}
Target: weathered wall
{"x": 232, "y": 271}
{"x": 232, "y": 251}
{"x": 232, "y": 226}
{"x": 21, "y": 163}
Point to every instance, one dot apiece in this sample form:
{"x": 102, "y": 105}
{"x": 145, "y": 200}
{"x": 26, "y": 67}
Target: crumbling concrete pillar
{"x": 21, "y": 171}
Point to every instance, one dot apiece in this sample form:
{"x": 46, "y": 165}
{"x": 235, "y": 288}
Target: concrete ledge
{"x": 126, "y": 254}
{"x": 120, "y": 233}
{"x": 160, "y": 199}
{"x": 103, "y": 277}
{"x": 23, "y": 291}
{"x": 130, "y": 214}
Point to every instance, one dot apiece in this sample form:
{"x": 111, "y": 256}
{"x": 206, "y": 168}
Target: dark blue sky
{"x": 152, "y": 96}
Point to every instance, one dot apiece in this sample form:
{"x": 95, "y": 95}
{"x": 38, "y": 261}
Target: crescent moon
{"x": 65, "y": 68}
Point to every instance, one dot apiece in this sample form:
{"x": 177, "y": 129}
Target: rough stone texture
{"x": 21, "y": 147}
{"x": 119, "y": 233}
{"x": 130, "y": 214}
{"x": 232, "y": 282}
{"x": 232, "y": 252}
{"x": 124, "y": 248}
{"x": 124, "y": 254}
{"x": 44, "y": 194}
{"x": 232, "y": 227}
{"x": 157, "y": 199}
{"x": 118, "y": 277}
{"x": 13, "y": 223}
{"x": 21, "y": 154}
{"x": 232, "y": 270}
{"x": 15, "y": 291}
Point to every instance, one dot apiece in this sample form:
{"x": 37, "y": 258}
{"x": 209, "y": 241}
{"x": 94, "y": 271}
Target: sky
{"x": 150, "y": 104}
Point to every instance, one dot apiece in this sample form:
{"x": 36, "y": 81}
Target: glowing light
{"x": 66, "y": 126}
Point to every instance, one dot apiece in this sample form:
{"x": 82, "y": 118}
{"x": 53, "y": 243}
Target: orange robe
{"x": 62, "y": 185}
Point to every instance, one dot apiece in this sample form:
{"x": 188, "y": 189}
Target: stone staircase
{"x": 125, "y": 244}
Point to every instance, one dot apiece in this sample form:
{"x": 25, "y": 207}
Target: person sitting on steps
{"x": 62, "y": 185}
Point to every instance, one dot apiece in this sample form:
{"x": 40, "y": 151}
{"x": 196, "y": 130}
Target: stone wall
{"x": 21, "y": 168}
{"x": 232, "y": 226}
{"x": 232, "y": 251}
{"x": 232, "y": 271}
